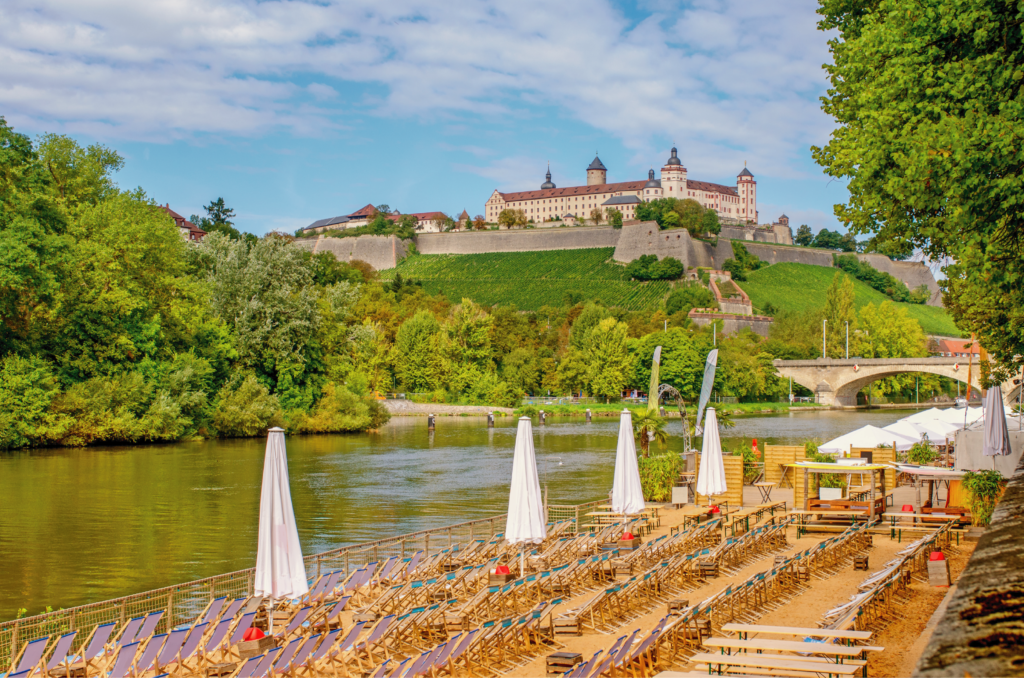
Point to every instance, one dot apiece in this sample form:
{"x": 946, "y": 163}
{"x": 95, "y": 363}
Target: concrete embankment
{"x": 407, "y": 408}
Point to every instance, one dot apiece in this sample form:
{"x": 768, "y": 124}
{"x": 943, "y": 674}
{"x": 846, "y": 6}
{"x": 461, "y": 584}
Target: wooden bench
{"x": 789, "y": 665}
{"x": 761, "y": 644}
{"x": 746, "y": 629}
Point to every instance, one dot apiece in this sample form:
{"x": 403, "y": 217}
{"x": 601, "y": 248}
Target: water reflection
{"x": 80, "y": 525}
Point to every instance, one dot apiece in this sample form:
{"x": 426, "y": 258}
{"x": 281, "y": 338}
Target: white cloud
{"x": 728, "y": 80}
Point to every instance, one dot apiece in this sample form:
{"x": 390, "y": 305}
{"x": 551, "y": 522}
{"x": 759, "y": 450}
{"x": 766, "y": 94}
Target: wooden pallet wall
{"x": 733, "y": 481}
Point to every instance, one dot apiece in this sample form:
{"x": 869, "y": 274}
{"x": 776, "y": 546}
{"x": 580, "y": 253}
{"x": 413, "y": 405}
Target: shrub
{"x": 688, "y": 296}
{"x": 922, "y": 453}
{"x": 647, "y": 267}
{"x": 658, "y": 474}
{"x": 339, "y": 411}
{"x": 984, "y": 488}
{"x": 27, "y": 387}
{"x": 246, "y": 409}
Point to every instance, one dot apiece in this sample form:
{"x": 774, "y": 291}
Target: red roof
{"x": 367, "y": 211}
{"x": 609, "y": 188}
{"x": 420, "y": 216}
{"x": 958, "y": 346}
{"x": 194, "y": 232}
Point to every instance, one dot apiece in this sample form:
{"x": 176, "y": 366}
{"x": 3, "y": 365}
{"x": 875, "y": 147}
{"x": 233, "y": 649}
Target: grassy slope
{"x": 530, "y": 280}
{"x": 801, "y": 287}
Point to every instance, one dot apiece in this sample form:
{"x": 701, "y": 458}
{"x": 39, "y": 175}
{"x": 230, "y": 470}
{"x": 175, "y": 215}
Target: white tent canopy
{"x": 526, "y": 523}
{"x": 627, "y": 493}
{"x": 711, "y": 475}
{"x": 280, "y": 572}
{"x": 867, "y": 436}
{"x": 936, "y": 431}
{"x": 930, "y": 414}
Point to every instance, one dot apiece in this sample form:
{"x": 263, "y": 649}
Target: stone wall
{"x": 913, "y": 273}
{"x": 733, "y": 322}
{"x": 527, "y": 240}
{"x": 380, "y": 251}
{"x": 644, "y": 238}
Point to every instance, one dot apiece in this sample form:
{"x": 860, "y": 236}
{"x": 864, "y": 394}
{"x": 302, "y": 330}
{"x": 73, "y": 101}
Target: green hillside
{"x": 801, "y": 287}
{"x": 530, "y": 280}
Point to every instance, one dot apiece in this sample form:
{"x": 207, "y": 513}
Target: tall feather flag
{"x": 705, "y": 389}
{"x": 652, "y": 392}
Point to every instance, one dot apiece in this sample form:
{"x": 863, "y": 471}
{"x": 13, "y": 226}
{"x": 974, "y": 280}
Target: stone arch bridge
{"x": 836, "y": 381}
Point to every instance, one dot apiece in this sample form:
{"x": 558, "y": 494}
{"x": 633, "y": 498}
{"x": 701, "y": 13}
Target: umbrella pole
{"x": 270, "y": 618}
{"x": 522, "y": 561}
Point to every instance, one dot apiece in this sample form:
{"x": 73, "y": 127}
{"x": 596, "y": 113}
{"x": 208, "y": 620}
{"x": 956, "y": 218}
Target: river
{"x": 79, "y": 525}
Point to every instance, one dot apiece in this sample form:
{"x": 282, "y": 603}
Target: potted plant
{"x": 830, "y": 486}
{"x": 984, "y": 489}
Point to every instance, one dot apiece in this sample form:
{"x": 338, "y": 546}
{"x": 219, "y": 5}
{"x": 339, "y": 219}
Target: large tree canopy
{"x": 929, "y": 97}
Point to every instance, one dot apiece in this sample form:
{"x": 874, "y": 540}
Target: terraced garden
{"x": 530, "y": 280}
{"x": 802, "y": 287}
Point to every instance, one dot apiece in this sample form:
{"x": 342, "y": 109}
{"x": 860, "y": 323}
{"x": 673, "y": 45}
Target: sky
{"x": 295, "y": 111}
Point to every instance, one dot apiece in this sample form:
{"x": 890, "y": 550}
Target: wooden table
{"x": 650, "y": 511}
{"x": 896, "y": 530}
{"x": 801, "y": 527}
{"x": 760, "y": 644}
{"x": 610, "y": 518}
{"x": 756, "y": 661}
{"x": 766, "y": 491}
{"x": 746, "y": 629}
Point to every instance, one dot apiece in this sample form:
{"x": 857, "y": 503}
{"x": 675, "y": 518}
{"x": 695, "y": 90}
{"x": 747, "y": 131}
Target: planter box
{"x": 254, "y": 648}
{"x": 500, "y": 579}
{"x": 830, "y": 493}
{"x": 938, "y": 572}
{"x": 630, "y": 544}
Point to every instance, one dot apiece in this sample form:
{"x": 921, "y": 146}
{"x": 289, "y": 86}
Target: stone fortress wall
{"x": 633, "y": 240}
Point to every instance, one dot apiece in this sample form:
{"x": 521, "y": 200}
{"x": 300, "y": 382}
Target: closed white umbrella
{"x": 711, "y": 476}
{"x": 997, "y": 438}
{"x": 526, "y": 523}
{"x": 280, "y": 572}
{"x": 627, "y": 492}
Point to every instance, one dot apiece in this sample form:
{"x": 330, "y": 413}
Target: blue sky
{"x": 294, "y": 111}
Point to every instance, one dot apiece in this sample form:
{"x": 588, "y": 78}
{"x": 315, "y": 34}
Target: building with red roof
{"x": 955, "y": 348}
{"x": 188, "y": 230}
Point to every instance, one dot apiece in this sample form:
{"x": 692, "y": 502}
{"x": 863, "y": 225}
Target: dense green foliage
{"x": 658, "y": 475}
{"x": 531, "y": 280}
{"x": 687, "y": 296}
{"x": 885, "y": 283}
{"x": 984, "y": 489}
{"x": 676, "y": 213}
{"x": 743, "y": 262}
{"x": 802, "y": 287}
{"x": 929, "y": 103}
{"x": 117, "y": 330}
{"x": 647, "y": 267}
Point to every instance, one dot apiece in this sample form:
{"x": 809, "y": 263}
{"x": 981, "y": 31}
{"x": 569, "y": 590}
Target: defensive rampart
{"x": 379, "y": 251}
{"x": 632, "y": 241}
{"x": 527, "y": 240}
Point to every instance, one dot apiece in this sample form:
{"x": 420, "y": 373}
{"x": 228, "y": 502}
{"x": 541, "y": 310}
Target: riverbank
{"x": 671, "y": 411}
{"x": 407, "y": 408}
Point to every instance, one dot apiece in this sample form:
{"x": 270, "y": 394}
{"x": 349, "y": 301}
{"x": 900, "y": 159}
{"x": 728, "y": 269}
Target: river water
{"x": 79, "y": 525}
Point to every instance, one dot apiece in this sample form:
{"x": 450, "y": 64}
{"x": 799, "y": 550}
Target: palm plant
{"x": 648, "y": 427}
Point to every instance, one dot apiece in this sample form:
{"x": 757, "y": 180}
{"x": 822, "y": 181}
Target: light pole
{"x": 847, "y": 339}
{"x": 823, "y": 322}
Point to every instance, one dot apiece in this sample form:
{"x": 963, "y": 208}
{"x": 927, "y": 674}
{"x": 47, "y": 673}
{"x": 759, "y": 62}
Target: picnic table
{"x": 840, "y": 652}
{"x": 746, "y": 629}
{"x": 650, "y": 511}
{"x": 896, "y": 528}
{"x": 610, "y": 518}
{"x": 766, "y": 491}
{"x": 802, "y": 526}
{"x": 722, "y": 663}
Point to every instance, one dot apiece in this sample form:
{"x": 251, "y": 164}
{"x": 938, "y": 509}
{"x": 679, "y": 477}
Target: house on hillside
{"x": 426, "y": 222}
{"x": 189, "y": 231}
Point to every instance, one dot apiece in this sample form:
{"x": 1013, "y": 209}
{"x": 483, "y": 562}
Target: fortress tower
{"x": 673, "y": 177}
{"x": 746, "y": 188}
{"x": 597, "y": 173}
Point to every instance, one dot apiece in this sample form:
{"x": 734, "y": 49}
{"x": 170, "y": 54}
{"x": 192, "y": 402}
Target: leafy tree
{"x": 596, "y": 216}
{"x": 691, "y": 214}
{"x": 709, "y": 222}
{"x": 804, "y": 237}
{"x": 887, "y": 331}
{"x": 512, "y": 218}
{"x": 743, "y": 263}
{"x": 648, "y": 267}
{"x": 609, "y": 364}
{"x": 614, "y": 217}
{"x": 413, "y": 351}
{"x": 479, "y": 223}
{"x": 521, "y": 370}
{"x": 689, "y": 296}
{"x": 927, "y": 111}
{"x": 246, "y": 408}
{"x": 838, "y": 311}
{"x": 383, "y": 208}
{"x": 682, "y": 360}
{"x": 828, "y": 240}
{"x": 81, "y": 176}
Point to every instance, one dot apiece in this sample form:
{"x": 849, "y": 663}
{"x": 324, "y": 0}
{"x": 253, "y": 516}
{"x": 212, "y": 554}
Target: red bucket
{"x": 252, "y": 633}
{"x": 715, "y": 509}
{"x": 501, "y": 569}
{"x": 937, "y": 555}
{"x": 627, "y": 536}
{"x": 908, "y": 508}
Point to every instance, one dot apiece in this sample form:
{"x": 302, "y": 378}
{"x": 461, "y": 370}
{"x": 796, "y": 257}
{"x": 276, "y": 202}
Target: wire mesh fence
{"x": 184, "y": 602}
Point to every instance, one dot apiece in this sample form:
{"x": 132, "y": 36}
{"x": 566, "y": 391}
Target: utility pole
{"x": 666, "y": 324}
{"x": 714, "y": 333}
{"x": 823, "y": 323}
{"x": 847, "y": 339}
{"x": 917, "y": 390}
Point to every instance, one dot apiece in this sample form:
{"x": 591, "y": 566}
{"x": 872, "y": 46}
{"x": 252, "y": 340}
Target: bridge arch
{"x": 836, "y": 382}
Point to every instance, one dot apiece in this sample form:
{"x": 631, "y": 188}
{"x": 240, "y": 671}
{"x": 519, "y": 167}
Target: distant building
{"x": 188, "y": 230}
{"x": 732, "y": 203}
{"x": 426, "y": 222}
{"x": 954, "y": 348}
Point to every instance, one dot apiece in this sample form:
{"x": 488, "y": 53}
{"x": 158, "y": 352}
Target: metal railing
{"x": 183, "y": 602}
